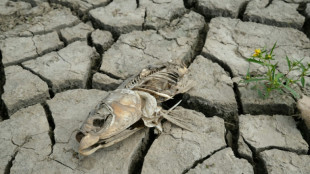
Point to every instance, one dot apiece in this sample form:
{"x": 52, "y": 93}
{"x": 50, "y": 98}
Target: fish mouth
{"x": 79, "y": 136}
{"x": 90, "y": 143}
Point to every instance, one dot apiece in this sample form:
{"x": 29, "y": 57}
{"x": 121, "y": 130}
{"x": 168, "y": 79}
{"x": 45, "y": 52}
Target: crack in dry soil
{"x": 51, "y": 124}
{"x": 202, "y": 160}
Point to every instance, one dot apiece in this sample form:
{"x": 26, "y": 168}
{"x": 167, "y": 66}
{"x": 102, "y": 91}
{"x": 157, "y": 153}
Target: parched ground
{"x": 59, "y": 58}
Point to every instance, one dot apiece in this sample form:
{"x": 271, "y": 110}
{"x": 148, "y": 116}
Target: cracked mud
{"x": 59, "y": 58}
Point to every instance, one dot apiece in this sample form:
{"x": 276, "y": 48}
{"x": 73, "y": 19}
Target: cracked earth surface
{"x": 59, "y": 58}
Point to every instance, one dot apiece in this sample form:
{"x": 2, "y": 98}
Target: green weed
{"x": 273, "y": 79}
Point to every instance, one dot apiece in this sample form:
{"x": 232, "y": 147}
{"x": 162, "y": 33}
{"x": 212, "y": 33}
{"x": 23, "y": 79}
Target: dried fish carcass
{"x": 134, "y": 105}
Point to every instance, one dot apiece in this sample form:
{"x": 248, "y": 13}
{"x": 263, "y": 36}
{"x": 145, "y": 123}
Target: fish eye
{"x": 98, "y": 122}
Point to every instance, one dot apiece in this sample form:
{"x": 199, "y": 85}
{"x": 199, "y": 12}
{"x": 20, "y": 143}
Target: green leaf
{"x": 288, "y": 62}
{"x": 273, "y": 70}
{"x": 294, "y": 93}
{"x": 302, "y": 67}
{"x": 256, "y": 61}
{"x": 302, "y": 80}
{"x": 300, "y": 60}
{"x": 253, "y": 80}
{"x": 274, "y": 45}
{"x": 298, "y": 63}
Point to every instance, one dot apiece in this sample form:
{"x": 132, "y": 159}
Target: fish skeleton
{"x": 136, "y": 104}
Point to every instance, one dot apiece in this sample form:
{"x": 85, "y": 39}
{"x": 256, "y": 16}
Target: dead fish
{"x": 136, "y": 104}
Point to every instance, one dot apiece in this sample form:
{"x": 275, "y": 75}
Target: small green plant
{"x": 273, "y": 79}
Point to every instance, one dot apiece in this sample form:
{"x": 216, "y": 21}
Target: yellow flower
{"x": 268, "y": 56}
{"x": 257, "y": 52}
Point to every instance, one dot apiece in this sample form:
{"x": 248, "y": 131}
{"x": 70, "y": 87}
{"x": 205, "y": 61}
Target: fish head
{"x": 111, "y": 117}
